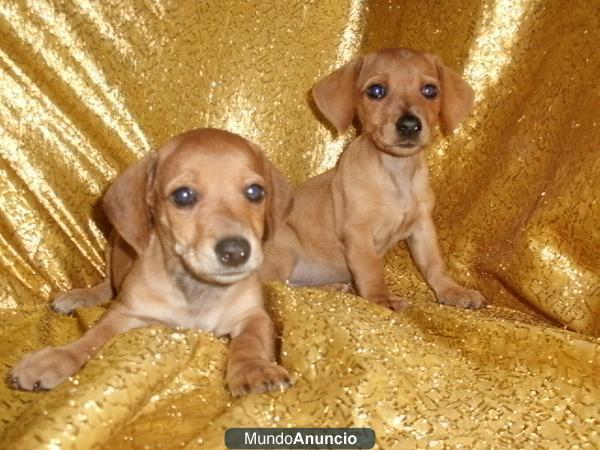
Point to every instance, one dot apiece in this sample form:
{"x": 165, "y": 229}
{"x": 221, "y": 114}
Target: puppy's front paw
{"x": 461, "y": 298}
{"x": 43, "y": 369}
{"x": 66, "y": 302}
{"x": 258, "y": 376}
{"x": 392, "y": 302}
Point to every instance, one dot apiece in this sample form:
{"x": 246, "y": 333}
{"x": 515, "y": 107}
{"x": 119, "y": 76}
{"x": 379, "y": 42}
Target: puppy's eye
{"x": 184, "y": 197}
{"x": 255, "y": 193}
{"x": 429, "y": 91}
{"x": 376, "y": 91}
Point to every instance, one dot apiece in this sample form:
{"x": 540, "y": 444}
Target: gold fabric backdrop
{"x": 88, "y": 87}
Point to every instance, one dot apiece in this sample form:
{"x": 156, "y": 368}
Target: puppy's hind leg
{"x": 278, "y": 263}
{"x": 66, "y": 302}
{"x": 346, "y": 288}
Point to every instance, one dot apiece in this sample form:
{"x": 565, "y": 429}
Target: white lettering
{"x": 250, "y": 440}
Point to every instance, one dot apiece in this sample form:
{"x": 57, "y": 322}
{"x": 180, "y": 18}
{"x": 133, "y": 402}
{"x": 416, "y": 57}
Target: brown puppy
{"x": 345, "y": 220}
{"x": 189, "y": 222}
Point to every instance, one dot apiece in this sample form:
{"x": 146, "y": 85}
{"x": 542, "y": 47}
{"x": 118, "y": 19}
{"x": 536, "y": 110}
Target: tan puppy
{"x": 189, "y": 222}
{"x": 345, "y": 220}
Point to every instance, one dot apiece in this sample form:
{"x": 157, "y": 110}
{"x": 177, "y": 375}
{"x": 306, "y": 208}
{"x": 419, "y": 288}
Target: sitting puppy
{"x": 344, "y": 220}
{"x": 189, "y": 222}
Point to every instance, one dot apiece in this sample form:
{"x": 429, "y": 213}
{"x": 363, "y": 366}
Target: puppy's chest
{"x": 393, "y": 216}
{"x": 201, "y": 310}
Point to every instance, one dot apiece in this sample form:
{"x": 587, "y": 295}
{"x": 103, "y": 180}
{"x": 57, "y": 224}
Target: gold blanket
{"x": 87, "y": 87}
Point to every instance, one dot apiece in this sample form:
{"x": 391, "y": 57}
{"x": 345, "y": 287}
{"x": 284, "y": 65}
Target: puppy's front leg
{"x": 49, "y": 367}
{"x": 367, "y": 269}
{"x": 425, "y": 250}
{"x": 251, "y": 366}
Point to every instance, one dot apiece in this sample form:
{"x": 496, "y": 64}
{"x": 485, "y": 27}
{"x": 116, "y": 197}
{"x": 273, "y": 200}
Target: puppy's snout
{"x": 233, "y": 251}
{"x": 409, "y": 126}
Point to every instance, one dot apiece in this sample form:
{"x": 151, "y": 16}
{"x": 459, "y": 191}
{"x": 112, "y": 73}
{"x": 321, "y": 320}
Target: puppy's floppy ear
{"x": 279, "y": 194}
{"x": 279, "y": 200}
{"x": 127, "y": 202}
{"x": 335, "y": 95}
{"x": 457, "y": 97}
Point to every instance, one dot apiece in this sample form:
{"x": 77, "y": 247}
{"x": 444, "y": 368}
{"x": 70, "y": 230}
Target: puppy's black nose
{"x": 409, "y": 126}
{"x": 233, "y": 251}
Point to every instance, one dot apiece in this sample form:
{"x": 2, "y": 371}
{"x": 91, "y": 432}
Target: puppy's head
{"x": 209, "y": 195}
{"x": 399, "y": 96}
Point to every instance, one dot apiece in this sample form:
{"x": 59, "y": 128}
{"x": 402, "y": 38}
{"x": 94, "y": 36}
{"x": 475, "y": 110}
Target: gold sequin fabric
{"x": 88, "y": 87}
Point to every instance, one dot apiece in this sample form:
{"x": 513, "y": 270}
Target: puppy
{"x": 189, "y": 221}
{"x": 344, "y": 221}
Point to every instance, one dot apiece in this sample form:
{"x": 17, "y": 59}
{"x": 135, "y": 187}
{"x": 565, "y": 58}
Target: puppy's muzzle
{"x": 409, "y": 127}
{"x": 233, "y": 251}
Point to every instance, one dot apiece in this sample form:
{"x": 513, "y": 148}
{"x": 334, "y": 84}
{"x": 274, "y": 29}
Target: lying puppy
{"x": 189, "y": 221}
{"x": 344, "y": 221}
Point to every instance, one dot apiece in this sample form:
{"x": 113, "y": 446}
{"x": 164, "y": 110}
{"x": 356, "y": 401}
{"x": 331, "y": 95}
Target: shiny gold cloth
{"x": 87, "y": 87}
